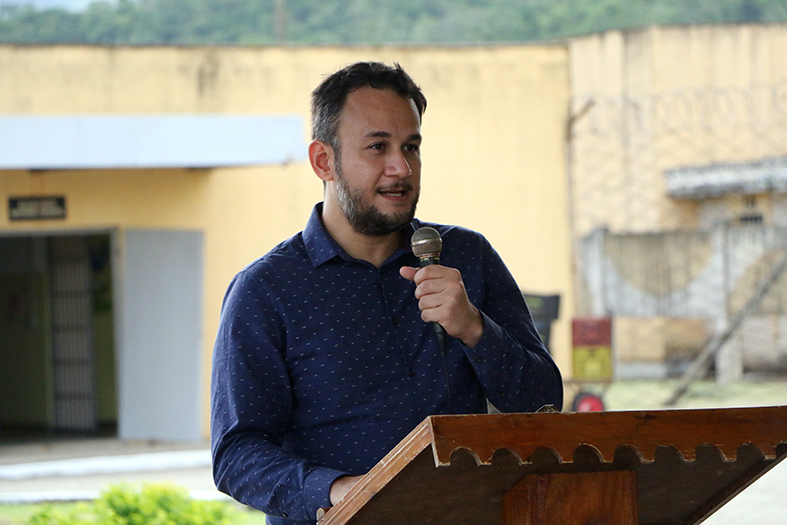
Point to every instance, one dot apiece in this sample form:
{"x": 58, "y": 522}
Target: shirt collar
{"x": 322, "y": 248}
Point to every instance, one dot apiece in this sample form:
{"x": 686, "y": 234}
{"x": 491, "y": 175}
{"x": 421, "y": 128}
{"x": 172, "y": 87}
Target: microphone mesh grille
{"x": 426, "y": 242}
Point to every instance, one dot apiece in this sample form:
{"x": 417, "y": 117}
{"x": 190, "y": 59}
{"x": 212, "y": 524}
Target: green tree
{"x": 365, "y": 21}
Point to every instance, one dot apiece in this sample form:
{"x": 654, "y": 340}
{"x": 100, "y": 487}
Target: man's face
{"x": 378, "y": 165}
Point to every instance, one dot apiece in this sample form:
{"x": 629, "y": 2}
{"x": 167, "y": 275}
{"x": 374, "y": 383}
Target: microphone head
{"x": 426, "y": 243}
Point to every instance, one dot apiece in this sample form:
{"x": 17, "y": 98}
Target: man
{"x": 325, "y": 357}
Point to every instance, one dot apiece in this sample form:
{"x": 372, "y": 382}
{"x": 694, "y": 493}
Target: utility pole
{"x": 280, "y": 21}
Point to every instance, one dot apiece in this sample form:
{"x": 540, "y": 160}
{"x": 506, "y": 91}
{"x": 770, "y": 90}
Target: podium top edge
{"x": 659, "y": 411}
{"x": 645, "y": 431}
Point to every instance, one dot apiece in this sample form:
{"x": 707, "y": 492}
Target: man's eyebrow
{"x": 385, "y": 135}
{"x": 378, "y": 134}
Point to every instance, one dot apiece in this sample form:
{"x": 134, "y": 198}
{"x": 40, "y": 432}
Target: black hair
{"x": 329, "y": 97}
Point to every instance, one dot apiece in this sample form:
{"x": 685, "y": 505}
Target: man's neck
{"x": 371, "y": 248}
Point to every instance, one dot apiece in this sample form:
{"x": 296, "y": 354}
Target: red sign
{"x": 592, "y": 331}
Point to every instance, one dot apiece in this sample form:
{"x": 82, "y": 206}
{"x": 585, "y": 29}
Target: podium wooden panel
{"x": 648, "y": 467}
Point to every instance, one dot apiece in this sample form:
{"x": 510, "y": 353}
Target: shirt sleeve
{"x": 515, "y": 370}
{"x": 251, "y": 403}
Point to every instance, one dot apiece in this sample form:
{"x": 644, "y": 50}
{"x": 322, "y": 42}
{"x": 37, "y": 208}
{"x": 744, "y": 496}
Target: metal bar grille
{"x": 72, "y": 334}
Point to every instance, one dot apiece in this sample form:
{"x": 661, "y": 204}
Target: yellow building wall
{"x": 492, "y": 154}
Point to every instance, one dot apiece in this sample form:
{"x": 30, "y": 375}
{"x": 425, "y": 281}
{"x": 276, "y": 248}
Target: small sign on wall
{"x": 592, "y": 356}
{"x": 36, "y": 208}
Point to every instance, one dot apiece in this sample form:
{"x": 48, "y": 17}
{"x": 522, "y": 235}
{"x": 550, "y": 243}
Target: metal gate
{"x": 72, "y": 334}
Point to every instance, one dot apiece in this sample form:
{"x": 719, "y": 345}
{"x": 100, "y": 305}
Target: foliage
{"x": 52, "y": 516}
{"x": 151, "y": 505}
{"x": 241, "y": 22}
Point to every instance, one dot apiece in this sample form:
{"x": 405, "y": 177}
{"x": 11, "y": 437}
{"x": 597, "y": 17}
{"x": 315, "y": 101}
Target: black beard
{"x": 366, "y": 219}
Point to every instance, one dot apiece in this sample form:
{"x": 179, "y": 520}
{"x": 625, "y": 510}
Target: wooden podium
{"x": 654, "y": 467}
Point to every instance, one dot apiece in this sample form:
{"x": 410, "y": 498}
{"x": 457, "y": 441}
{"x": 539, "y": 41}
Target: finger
{"x": 428, "y": 274}
{"x": 419, "y": 275}
{"x": 433, "y": 271}
{"x": 429, "y": 316}
{"x": 408, "y": 273}
{"x": 430, "y": 303}
{"x": 439, "y": 280}
{"x": 429, "y": 287}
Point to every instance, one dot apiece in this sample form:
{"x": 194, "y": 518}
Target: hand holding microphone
{"x": 440, "y": 290}
{"x": 427, "y": 246}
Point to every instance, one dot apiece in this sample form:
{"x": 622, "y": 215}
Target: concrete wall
{"x": 493, "y": 150}
{"x": 665, "y": 98}
{"x": 660, "y": 99}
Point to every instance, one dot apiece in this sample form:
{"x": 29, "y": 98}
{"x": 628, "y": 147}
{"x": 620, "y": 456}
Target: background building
{"x": 678, "y": 155}
{"x": 138, "y": 181}
{"x": 638, "y": 175}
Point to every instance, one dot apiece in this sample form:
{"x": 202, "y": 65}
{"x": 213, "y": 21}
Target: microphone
{"x": 427, "y": 245}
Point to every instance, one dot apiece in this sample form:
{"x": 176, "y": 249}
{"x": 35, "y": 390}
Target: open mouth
{"x": 395, "y": 193}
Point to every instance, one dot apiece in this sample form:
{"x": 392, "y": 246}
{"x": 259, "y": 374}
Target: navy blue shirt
{"x": 322, "y": 365}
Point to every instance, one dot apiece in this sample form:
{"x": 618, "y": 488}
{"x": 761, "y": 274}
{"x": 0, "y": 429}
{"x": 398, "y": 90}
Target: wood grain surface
{"x": 458, "y": 469}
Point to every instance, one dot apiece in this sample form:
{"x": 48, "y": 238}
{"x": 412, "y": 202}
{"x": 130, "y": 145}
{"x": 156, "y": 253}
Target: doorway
{"x": 57, "y": 349}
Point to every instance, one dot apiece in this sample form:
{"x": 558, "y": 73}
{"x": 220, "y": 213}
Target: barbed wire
{"x": 683, "y": 110}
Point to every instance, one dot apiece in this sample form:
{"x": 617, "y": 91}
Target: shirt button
{"x": 395, "y": 321}
{"x": 412, "y": 373}
{"x": 479, "y": 359}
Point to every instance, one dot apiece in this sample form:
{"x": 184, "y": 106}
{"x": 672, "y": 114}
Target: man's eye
{"x": 377, "y": 146}
{"x": 412, "y": 147}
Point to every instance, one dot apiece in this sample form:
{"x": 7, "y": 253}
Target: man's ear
{"x": 321, "y": 157}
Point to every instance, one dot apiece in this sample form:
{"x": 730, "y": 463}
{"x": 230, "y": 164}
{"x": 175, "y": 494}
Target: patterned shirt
{"x": 322, "y": 365}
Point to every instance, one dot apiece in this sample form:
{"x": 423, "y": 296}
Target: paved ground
{"x": 63, "y": 469}
{"x": 80, "y": 468}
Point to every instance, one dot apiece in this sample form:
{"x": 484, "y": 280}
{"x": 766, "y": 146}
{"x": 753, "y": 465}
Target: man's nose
{"x": 397, "y": 165}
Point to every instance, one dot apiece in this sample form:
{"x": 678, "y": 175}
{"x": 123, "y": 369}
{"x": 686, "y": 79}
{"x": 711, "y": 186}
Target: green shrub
{"x": 49, "y": 515}
{"x": 152, "y": 504}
